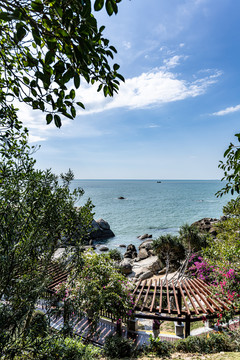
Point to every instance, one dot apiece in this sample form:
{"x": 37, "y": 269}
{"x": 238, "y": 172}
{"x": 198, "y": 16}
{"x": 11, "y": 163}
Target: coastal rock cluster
{"x": 142, "y": 264}
{"x": 207, "y": 225}
{"x": 100, "y": 230}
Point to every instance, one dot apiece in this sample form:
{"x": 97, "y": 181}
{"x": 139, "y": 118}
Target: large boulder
{"x": 125, "y": 266}
{"x": 207, "y": 225}
{"x": 143, "y": 254}
{"x": 131, "y": 252}
{"x": 100, "y": 230}
{"x": 145, "y": 268}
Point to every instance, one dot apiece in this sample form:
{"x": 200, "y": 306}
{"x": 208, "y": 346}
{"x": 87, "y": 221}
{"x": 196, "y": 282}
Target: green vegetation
{"x": 36, "y": 214}
{"x": 231, "y": 169}
{"x": 97, "y": 285}
{"x": 46, "y": 46}
{"x": 169, "y": 250}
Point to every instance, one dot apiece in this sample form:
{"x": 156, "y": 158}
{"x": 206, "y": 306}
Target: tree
{"x": 94, "y": 286}
{"x": 47, "y": 45}
{"x": 169, "y": 249}
{"x": 231, "y": 169}
{"x": 36, "y": 211}
{"x": 191, "y": 237}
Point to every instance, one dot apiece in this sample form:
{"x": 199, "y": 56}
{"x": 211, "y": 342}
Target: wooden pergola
{"x": 182, "y": 301}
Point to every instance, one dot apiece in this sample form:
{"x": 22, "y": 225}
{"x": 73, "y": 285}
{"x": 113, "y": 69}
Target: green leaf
{"x": 49, "y": 118}
{"x": 81, "y": 105}
{"x": 113, "y": 48}
{"x": 98, "y": 5}
{"x": 21, "y": 32}
{"x": 120, "y": 77}
{"x": 26, "y": 80}
{"x": 109, "y": 7}
{"x": 72, "y": 94}
{"x": 49, "y": 58}
{"x": 76, "y": 81}
{"x": 73, "y": 111}
{"x": 37, "y": 5}
{"x": 57, "y": 121}
{"x": 27, "y": 99}
{"x": 105, "y": 90}
{"x": 116, "y": 67}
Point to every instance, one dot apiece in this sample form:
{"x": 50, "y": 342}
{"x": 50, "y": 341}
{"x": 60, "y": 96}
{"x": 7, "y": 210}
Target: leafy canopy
{"x": 36, "y": 212}
{"x": 48, "y": 46}
{"x": 231, "y": 169}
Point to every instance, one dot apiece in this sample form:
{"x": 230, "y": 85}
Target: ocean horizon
{"x": 156, "y": 206}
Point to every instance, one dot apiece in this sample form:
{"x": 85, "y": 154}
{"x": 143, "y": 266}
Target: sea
{"x": 155, "y": 207}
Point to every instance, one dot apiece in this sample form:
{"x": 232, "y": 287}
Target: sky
{"x": 178, "y": 109}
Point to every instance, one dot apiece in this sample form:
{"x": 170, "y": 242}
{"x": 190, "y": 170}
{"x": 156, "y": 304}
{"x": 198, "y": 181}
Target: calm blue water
{"x": 151, "y": 207}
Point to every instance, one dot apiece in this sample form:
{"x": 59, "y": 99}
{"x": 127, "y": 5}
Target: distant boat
{"x": 158, "y": 182}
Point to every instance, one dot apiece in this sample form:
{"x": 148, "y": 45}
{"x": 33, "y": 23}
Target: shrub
{"x": 206, "y": 344}
{"x": 115, "y": 254}
{"x": 160, "y": 347}
{"x": 117, "y": 347}
{"x": 38, "y": 324}
{"x": 56, "y": 347}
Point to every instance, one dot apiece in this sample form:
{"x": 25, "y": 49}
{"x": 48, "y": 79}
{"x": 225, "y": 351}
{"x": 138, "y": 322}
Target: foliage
{"x": 35, "y": 212}
{"x": 206, "y": 344}
{"x": 53, "y": 347}
{"x": 169, "y": 249}
{"x": 232, "y": 208}
{"x": 160, "y": 347}
{"x": 115, "y": 254}
{"x": 39, "y": 325}
{"x": 117, "y": 347}
{"x": 47, "y": 45}
{"x": 191, "y": 237}
{"x": 231, "y": 169}
{"x": 225, "y": 282}
{"x": 97, "y": 285}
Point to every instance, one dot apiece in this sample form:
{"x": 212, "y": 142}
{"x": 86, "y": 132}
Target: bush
{"x": 58, "y": 348}
{"x": 160, "y": 347}
{"x": 115, "y": 254}
{"x": 117, "y": 347}
{"x": 206, "y": 344}
{"x": 39, "y": 324}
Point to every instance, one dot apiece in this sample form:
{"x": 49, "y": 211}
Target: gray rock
{"x": 100, "y": 230}
{"x": 147, "y": 244}
{"x": 131, "y": 252}
{"x": 143, "y": 254}
{"x": 206, "y": 225}
{"x": 122, "y": 245}
{"x": 125, "y": 267}
{"x": 103, "y": 248}
{"x": 103, "y": 224}
{"x": 146, "y": 275}
{"x": 145, "y": 236}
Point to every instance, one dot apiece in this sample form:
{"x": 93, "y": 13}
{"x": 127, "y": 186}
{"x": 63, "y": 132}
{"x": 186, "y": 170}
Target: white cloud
{"x": 228, "y": 110}
{"x": 153, "y": 126}
{"x": 153, "y": 88}
{"x": 127, "y": 45}
{"x": 173, "y": 61}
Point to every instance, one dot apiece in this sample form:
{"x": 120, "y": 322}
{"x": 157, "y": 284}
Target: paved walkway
{"x": 106, "y": 328}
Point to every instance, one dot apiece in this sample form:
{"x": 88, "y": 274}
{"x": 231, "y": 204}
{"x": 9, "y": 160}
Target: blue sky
{"x": 178, "y": 109}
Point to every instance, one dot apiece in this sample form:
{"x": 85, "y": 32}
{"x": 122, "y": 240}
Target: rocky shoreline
{"x": 141, "y": 263}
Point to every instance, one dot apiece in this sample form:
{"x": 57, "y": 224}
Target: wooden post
{"x": 187, "y": 326}
{"x": 119, "y": 327}
{"x": 179, "y": 298}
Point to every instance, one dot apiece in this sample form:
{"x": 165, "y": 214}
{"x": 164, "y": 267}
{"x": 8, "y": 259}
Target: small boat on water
{"x": 158, "y": 182}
